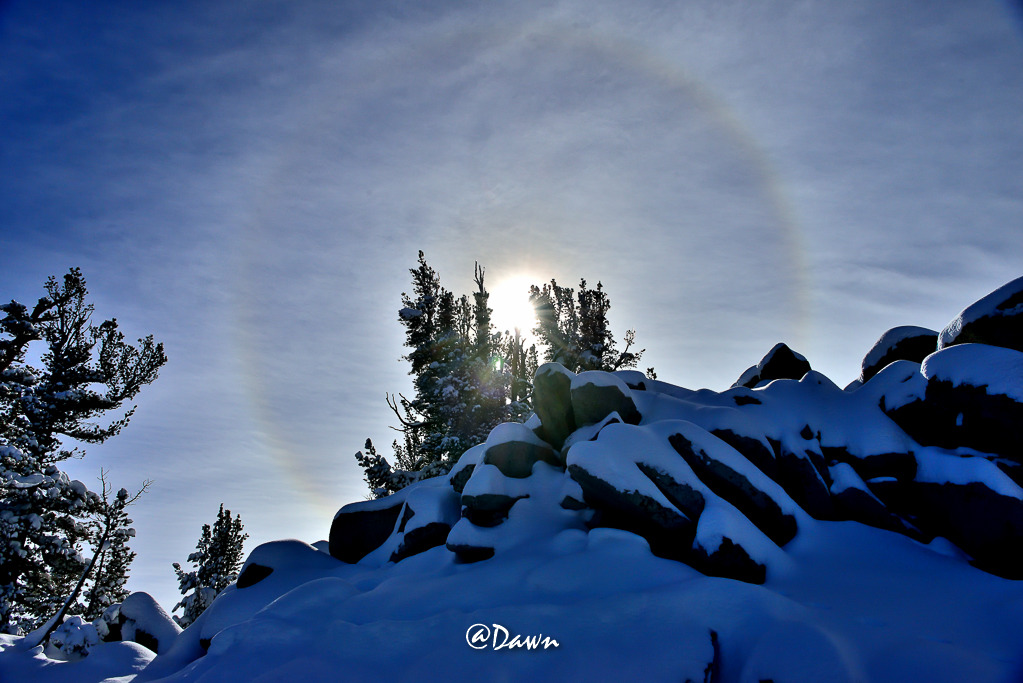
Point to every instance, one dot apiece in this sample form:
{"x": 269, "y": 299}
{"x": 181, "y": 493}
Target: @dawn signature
{"x": 497, "y": 637}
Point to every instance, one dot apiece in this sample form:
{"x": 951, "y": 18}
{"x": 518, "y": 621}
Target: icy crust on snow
{"x": 377, "y": 503}
{"x": 999, "y": 371}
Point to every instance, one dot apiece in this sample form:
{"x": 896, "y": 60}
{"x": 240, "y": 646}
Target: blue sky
{"x": 250, "y": 182}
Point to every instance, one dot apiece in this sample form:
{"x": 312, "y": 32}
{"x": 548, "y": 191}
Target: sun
{"x": 509, "y": 300}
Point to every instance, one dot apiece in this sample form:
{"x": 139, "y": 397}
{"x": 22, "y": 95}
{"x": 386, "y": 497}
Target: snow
{"x": 719, "y": 521}
{"x": 514, "y": 432}
{"x": 844, "y": 477}
{"x": 144, "y": 614}
{"x": 898, "y": 384}
{"x": 108, "y": 662}
{"x": 998, "y": 370}
{"x": 855, "y": 604}
{"x": 531, "y": 520}
{"x": 940, "y": 466}
{"x": 750, "y": 373}
{"x": 600, "y": 379}
{"x": 613, "y": 457}
{"x": 432, "y": 500}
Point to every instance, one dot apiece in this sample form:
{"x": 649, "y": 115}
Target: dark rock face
{"x": 488, "y": 509}
{"x": 421, "y": 539}
{"x": 146, "y": 640}
{"x": 802, "y": 480}
{"x": 516, "y": 458}
{"x": 253, "y": 574}
{"x": 1004, "y": 331}
{"x": 901, "y": 466}
{"x": 952, "y": 416}
{"x": 910, "y": 343}
{"x": 680, "y": 494}
{"x": 752, "y": 449}
{"x": 459, "y": 475}
{"x": 552, "y": 401}
{"x": 469, "y": 553}
{"x": 781, "y": 362}
{"x": 729, "y": 560}
{"x": 670, "y": 533}
{"x": 738, "y": 490}
{"x": 592, "y": 401}
{"x": 360, "y": 528}
{"x": 858, "y": 505}
{"x": 985, "y": 524}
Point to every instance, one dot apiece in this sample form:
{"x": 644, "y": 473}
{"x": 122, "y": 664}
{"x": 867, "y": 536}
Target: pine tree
{"x": 575, "y": 331}
{"x": 521, "y": 363}
{"x": 111, "y": 533}
{"x": 462, "y": 381}
{"x": 215, "y": 565}
{"x": 106, "y": 573}
{"x": 87, "y": 371}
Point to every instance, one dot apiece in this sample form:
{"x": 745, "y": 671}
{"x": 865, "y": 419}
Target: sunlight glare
{"x": 509, "y": 299}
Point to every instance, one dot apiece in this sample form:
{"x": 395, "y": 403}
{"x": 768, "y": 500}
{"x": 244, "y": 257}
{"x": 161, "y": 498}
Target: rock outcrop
{"x": 928, "y": 443}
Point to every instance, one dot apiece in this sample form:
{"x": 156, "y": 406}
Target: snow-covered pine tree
{"x": 86, "y": 372}
{"x": 215, "y": 565}
{"x": 461, "y": 377}
{"x": 574, "y": 329}
{"x": 107, "y": 572}
{"x": 111, "y": 533}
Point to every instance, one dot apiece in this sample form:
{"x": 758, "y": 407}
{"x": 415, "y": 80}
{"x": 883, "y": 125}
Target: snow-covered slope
{"x": 784, "y": 529}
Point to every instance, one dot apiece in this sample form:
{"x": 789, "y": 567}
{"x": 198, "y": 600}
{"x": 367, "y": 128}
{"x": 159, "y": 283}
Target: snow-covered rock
{"x": 899, "y": 343}
{"x": 973, "y": 397}
{"x": 996, "y": 320}
{"x": 291, "y": 563}
{"x": 552, "y": 401}
{"x": 595, "y": 395}
{"x": 513, "y": 448}
{"x": 144, "y": 621}
{"x": 359, "y": 528}
{"x": 781, "y": 362}
{"x": 75, "y": 637}
{"x": 429, "y": 512}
